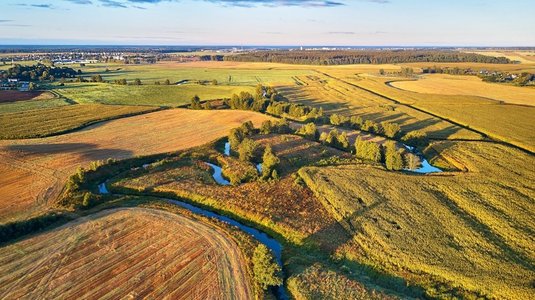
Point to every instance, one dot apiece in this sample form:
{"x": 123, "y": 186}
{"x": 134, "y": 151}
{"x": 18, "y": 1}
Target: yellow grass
{"x": 126, "y": 253}
{"x": 468, "y": 85}
{"x": 42, "y": 165}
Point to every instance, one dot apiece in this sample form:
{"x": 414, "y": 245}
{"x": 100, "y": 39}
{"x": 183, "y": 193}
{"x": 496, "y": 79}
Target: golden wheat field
{"x": 36, "y": 169}
{"x": 126, "y": 253}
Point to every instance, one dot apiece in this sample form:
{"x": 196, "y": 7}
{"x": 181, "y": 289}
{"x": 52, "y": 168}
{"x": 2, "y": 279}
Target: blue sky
{"x": 265, "y": 22}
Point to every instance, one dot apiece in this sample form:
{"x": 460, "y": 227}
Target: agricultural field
{"x": 146, "y": 95}
{"x": 479, "y": 221}
{"x": 51, "y": 121}
{"x": 14, "y": 96}
{"x": 36, "y": 169}
{"x": 468, "y": 85}
{"x": 125, "y": 253}
{"x": 509, "y": 123}
{"x": 337, "y": 96}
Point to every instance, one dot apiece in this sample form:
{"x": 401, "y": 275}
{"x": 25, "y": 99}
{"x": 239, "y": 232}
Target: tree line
{"x": 344, "y": 57}
{"x": 38, "y": 72}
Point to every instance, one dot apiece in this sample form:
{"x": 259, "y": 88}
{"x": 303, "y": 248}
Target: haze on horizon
{"x": 265, "y": 22}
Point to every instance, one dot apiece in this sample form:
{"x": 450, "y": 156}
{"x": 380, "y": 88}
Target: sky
{"x": 266, "y": 22}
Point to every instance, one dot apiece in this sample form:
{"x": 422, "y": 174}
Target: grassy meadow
{"x": 469, "y": 231}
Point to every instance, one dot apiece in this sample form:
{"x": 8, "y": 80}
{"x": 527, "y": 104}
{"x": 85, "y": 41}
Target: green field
{"x": 54, "y": 120}
{"x": 152, "y": 95}
{"x": 19, "y": 106}
{"x": 225, "y": 74}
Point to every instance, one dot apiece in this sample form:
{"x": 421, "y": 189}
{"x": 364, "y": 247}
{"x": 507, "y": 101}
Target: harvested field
{"x": 50, "y": 121}
{"x": 126, "y": 253}
{"x": 468, "y": 85}
{"x": 47, "y": 162}
{"x": 14, "y": 96}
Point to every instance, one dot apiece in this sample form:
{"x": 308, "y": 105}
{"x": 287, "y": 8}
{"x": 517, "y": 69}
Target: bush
{"x": 393, "y": 158}
{"x": 390, "y": 130}
{"x": 266, "y": 270}
{"x": 367, "y": 150}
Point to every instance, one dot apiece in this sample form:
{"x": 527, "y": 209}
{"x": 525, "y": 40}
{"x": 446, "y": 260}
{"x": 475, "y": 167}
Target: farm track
{"x": 485, "y": 135}
{"x": 126, "y": 253}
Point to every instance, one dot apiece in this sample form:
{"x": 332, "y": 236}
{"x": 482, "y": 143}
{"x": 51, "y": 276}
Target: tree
{"x": 266, "y": 127}
{"x": 156, "y": 83}
{"x": 411, "y": 162}
{"x": 309, "y": 131}
{"x": 207, "y": 105}
{"x": 167, "y": 82}
{"x": 214, "y": 82}
{"x": 381, "y": 71}
{"x": 32, "y": 86}
{"x": 247, "y": 149}
{"x": 235, "y": 137}
{"x": 96, "y": 78}
{"x": 393, "y": 158}
{"x": 415, "y": 138}
{"x": 269, "y": 162}
{"x": 343, "y": 141}
{"x": 137, "y": 81}
{"x": 195, "y": 102}
{"x": 390, "y": 130}
{"x": 86, "y": 202}
{"x": 266, "y": 270}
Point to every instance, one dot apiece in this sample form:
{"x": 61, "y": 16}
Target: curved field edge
{"x": 61, "y": 120}
{"x": 127, "y": 252}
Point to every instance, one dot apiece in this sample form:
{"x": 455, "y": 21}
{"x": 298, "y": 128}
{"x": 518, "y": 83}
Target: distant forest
{"x": 362, "y": 57}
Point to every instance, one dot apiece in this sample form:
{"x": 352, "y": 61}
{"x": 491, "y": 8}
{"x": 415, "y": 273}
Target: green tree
{"x": 167, "y": 82}
{"x": 266, "y": 271}
{"x": 269, "y": 162}
{"x": 214, "y": 82}
{"x": 393, "y": 158}
{"x": 415, "y": 138}
{"x": 247, "y": 149}
{"x": 266, "y": 127}
{"x": 86, "y": 202}
{"x": 390, "y": 130}
{"x": 32, "y": 86}
{"x": 309, "y": 131}
{"x": 195, "y": 102}
{"x": 137, "y": 81}
{"x": 235, "y": 137}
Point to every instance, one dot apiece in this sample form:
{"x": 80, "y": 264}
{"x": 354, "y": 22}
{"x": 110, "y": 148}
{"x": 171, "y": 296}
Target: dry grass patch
{"x": 13, "y": 96}
{"x": 123, "y": 253}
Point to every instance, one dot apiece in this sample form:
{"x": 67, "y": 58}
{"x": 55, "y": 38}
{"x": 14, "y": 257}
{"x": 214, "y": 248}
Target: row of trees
{"x": 387, "y": 129}
{"x": 342, "y": 57}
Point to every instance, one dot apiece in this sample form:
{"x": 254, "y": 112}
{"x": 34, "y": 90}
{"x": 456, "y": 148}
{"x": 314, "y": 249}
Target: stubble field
{"x": 36, "y": 169}
{"x": 126, "y": 253}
